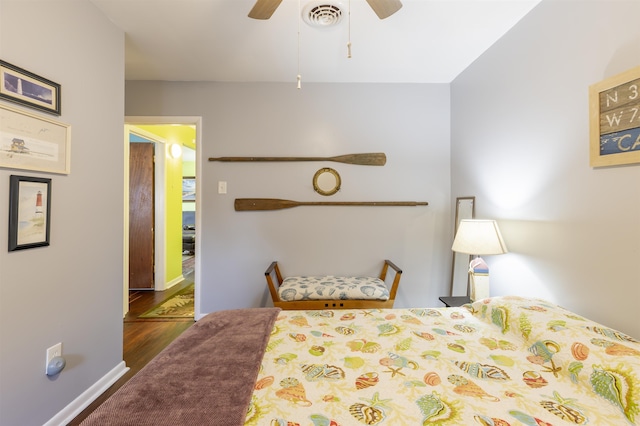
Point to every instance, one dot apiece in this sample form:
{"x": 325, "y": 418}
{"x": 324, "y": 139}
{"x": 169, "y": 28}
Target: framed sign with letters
{"x": 614, "y": 115}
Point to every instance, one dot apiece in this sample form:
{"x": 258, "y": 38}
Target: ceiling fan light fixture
{"x": 322, "y": 14}
{"x": 263, "y": 9}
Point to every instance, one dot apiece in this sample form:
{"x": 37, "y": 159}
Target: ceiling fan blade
{"x": 385, "y": 8}
{"x": 263, "y": 9}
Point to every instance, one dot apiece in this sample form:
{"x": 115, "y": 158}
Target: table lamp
{"x": 478, "y": 237}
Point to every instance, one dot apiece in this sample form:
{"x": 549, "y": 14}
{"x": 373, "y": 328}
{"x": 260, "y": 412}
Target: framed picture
{"x": 26, "y": 88}
{"x": 614, "y": 120}
{"x": 465, "y": 209}
{"x": 30, "y": 142}
{"x": 189, "y": 189}
{"x": 29, "y": 212}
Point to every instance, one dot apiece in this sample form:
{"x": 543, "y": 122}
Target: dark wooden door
{"x": 141, "y": 216}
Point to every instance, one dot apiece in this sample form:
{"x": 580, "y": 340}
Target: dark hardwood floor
{"x": 143, "y": 339}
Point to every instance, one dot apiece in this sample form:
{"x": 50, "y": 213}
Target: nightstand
{"x": 455, "y": 301}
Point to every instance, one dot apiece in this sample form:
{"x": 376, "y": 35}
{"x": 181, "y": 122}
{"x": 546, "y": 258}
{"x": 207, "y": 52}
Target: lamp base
{"x": 479, "y": 286}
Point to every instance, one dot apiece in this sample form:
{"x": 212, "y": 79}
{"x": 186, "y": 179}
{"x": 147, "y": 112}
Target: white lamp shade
{"x": 478, "y": 237}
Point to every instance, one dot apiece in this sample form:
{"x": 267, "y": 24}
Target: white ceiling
{"x": 427, "y": 41}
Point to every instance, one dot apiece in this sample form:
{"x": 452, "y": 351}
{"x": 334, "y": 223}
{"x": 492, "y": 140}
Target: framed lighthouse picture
{"x": 23, "y": 87}
{"x": 29, "y": 212}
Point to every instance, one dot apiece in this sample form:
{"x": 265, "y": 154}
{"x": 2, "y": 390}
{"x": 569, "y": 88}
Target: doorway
{"x": 168, "y": 203}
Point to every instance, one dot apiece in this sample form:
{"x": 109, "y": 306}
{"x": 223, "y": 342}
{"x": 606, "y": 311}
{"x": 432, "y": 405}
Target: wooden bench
{"x": 275, "y": 280}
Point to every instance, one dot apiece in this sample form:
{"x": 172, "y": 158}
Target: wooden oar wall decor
{"x": 257, "y": 204}
{"x": 365, "y": 159}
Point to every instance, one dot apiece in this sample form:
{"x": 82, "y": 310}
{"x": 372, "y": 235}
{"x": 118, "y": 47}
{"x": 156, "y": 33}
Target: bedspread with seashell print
{"x": 499, "y": 361}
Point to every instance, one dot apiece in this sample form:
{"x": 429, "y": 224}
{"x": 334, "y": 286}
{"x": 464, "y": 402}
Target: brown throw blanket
{"x": 204, "y": 377}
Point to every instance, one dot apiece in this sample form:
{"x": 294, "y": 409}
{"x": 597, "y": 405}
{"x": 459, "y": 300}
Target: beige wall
{"x": 520, "y": 144}
{"x": 71, "y": 291}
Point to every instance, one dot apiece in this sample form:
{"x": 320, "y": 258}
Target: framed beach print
{"x": 614, "y": 120}
{"x": 23, "y": 87}
{"x": 188, "y": 189}
{"x": 29, "y": 212}
{"x": 31, "y": 142}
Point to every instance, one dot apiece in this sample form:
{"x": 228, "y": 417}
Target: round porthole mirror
{"x": 326, "y": 181}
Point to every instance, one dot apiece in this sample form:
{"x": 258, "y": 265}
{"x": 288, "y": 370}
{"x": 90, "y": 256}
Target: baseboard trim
{"x": 173, "y": 282}
{"x": 76, "y": 406}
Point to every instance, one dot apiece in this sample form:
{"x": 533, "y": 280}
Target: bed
{"x": 499, "y": 361}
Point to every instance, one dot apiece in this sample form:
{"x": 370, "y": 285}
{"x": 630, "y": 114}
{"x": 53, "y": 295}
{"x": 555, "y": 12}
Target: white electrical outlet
{"x": 52, "y": 352}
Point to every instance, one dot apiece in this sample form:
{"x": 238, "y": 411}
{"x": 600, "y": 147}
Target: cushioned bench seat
{"x": 332, "y": 292}
{"x": 332, "y": 288}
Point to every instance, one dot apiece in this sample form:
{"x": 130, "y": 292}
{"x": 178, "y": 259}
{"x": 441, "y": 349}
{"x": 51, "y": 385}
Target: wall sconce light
{"x": 175, "y": 150}
{"x": 478, "y": 237}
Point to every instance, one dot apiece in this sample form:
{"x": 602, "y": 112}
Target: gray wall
{"x": 71, "y": 291}
{"x": 410, "y": 123}
{"x": 520, "y": 144}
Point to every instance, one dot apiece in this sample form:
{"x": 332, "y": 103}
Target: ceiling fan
{"x": 263, "y": 9}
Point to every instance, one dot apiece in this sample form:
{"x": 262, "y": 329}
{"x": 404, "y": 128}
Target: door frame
{"x": 130, "y": 127}
{"x": 159, "y": 153}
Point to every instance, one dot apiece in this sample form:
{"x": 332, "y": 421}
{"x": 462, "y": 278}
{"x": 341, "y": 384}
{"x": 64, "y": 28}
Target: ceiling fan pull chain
{"x": 349, "y": 31}
{"x": 299, "y": 18}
